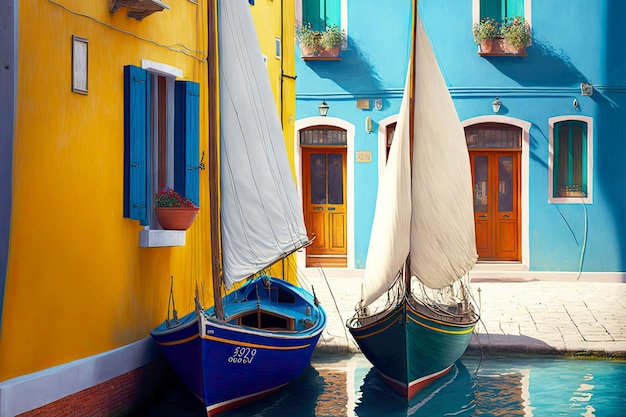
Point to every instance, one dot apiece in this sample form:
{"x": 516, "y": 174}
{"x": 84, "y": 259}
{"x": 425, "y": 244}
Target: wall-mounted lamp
{"x": 575, "y": 104}
{"x": 496, "y": 105}
{"x": 323, "y": 108}
{"x": 368, "y": 124}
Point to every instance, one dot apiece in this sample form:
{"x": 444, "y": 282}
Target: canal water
{"x": 346, "y": 385}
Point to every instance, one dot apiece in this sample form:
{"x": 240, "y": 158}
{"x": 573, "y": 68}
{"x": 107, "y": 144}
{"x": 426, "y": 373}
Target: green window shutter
{"x": 187, "y": 140}
{"x": 312, "y": 12}
{"x": 579, "y": 155}
{"x": 333, "y": 13}
{"x": 499, "y": 9}
{"x": 321, "y": 13}
{"x": 136, "y": 143}
{"x": 570, "y": 159}
{"x": 491, "y": 9}
{"x": 513, "y": 7}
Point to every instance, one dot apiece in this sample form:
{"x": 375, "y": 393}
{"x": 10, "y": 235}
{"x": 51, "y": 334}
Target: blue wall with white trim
{"x": 583, "y": 42}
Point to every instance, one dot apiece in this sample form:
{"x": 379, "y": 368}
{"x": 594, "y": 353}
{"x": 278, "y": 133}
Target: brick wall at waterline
{"x": 115, "y": 397}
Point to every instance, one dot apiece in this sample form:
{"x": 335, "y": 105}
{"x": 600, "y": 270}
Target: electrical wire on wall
{"x": 584, "y": 246}
{"x": 176, "y": 47}
{"x": 584, "y": 242}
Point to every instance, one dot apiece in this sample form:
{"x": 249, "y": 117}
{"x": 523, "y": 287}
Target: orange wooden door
{"x": 496, "y": 177}
{"x": 324, "y": 194}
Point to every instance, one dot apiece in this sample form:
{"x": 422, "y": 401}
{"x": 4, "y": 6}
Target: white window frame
{"x": 153, "y": 235}
{"x": 344, "y": 18}
{"x": 528, "y": 15}
{"x": 570, "y": 200}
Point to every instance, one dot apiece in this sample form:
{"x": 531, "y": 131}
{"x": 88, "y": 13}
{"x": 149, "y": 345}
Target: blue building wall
{"x": 586, "y": 42}
{"x": 372, "y": 67}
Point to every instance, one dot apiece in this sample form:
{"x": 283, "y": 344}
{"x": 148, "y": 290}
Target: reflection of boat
{"x": 261, "y": 336}
{"x": 290, "y": 401}
{"x": 422, "y": 243}
{"x": 450, "y": 395}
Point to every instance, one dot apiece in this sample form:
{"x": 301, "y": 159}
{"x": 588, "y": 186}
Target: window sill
{"x": 333, "y": 54}
{"x": 161, "y": 238}
{"x": 497, "y": 47}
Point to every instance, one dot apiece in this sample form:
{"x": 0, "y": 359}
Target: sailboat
{"x": 415, "y": 317}
{"x": 260, "y": 336}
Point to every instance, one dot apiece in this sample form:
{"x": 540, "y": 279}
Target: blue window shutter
{"x": 187, "y": 140}
{"x": 136, "y": 140}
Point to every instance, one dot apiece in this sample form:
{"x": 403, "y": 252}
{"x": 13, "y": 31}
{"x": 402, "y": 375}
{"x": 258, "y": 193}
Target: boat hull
{"x": 226, "y": 364}
{"x": 409, "y": 349}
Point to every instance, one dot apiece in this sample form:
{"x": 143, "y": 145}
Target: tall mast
{"x": 213, "y": 160}
{"x": 407, "y": 269}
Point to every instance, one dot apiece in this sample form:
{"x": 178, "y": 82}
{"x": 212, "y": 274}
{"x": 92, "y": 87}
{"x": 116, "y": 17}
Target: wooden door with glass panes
{"x": 495, "y": 162}
{"x": 324, "y": 194}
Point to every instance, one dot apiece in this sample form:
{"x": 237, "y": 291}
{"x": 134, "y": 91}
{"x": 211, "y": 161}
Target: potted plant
{"x": 309, "y": 40}
{"x": 516, "y": 34}
{"x": 332, "y": 38}
{"x": 173, "y": 211}
{"x": 320, "y": 44}
{"x": 485, "y": 32}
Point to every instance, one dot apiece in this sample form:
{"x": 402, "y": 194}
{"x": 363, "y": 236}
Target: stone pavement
{"x": 517, "y": 316}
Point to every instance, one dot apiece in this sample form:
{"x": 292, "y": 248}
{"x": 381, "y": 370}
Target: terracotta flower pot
{"x": 176, "y": 218}
{"x": 319, "y": 53}
{"x": 486, "y": 45}
{"x": 510, "y": 49}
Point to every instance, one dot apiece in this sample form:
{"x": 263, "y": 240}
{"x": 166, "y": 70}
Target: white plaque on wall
{"x": 364, "y": 156}
{"x": 79, "y": 64}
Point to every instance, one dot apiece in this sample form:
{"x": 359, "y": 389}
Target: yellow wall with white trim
{"x": 78, "y": 283}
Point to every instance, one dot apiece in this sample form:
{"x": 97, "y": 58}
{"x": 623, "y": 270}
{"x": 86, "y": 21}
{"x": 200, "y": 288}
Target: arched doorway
{"x": 495, "y": 156}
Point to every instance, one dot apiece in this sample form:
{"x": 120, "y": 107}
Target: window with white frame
{"x": 161, "y": 140}
{"x": 571, "y": 156}
{"x": 500, "y": 9}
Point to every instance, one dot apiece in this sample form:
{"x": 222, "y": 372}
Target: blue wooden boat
{"x": 261, "y": 335}
{"x": 416, "y": 316}
{"x": 266, "y": 342}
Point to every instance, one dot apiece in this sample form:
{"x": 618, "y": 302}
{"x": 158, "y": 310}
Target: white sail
{"x": 430, "y": 216}
{"x": 389, "y": 239}
{"x": 261, "y": 211}
{"x": 443, "y": 243}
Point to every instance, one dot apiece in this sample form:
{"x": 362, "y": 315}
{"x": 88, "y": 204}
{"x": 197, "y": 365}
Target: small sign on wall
{"x": 363, "y": 104}
{"x": 79, "y": 64}
{"x": 364, "y": 156}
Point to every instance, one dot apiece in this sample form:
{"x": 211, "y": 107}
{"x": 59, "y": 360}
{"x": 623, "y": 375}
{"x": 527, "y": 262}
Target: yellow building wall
{"x": 276, "y": 19}
{"x": 78, "y": 283}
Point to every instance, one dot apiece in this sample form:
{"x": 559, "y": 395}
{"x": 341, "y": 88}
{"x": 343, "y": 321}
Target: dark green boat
{"x": 416, "y": 316}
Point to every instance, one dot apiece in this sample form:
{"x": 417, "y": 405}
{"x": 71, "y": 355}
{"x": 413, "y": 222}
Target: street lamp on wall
{"x": 323, "y": 108}
{"x": 496, "y": 105}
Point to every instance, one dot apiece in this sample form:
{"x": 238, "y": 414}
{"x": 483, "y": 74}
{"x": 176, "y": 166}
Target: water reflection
{"x": 337, "y": 386}
{"x": 452, "y": 394}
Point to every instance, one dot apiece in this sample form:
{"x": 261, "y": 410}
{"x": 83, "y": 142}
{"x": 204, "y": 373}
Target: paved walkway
{"x": 547, "y": 317}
